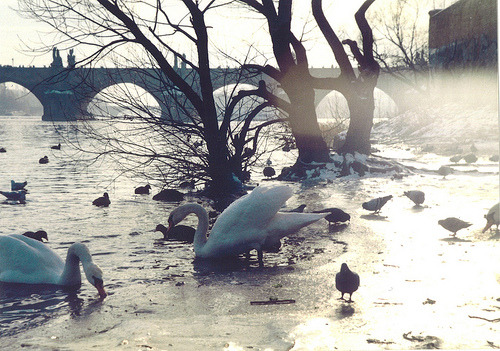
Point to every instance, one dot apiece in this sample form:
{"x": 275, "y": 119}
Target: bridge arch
{"x": 334, "y": 107}
{"x": 223, "y": 94}
{"x": 16, "y": 98}
{"x": 122, "y": 99}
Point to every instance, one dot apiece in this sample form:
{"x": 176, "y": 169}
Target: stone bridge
{"x": 65, "y": 93}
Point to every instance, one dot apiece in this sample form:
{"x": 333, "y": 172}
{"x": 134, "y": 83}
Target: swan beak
{"x": 100, "y": 288}
{"x": 488, "y": 226}
{"x": 170, "y": 226}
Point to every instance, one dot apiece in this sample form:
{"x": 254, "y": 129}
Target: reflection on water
{"x": 25, "y": 306}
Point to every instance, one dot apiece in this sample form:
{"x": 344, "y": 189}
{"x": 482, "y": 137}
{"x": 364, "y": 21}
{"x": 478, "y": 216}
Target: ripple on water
{"x": 25, "y": 306}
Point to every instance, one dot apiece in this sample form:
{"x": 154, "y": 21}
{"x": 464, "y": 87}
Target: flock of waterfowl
{"x": 253, "y": 222}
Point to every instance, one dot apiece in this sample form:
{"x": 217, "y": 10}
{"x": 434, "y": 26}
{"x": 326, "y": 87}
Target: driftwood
{"x": 272, "y": 301}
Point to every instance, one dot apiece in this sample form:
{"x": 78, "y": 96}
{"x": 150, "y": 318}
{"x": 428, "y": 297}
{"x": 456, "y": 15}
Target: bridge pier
{"x": 62, "y": 106}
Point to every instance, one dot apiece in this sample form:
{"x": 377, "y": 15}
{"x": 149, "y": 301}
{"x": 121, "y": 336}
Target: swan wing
{"x": 251, "y": 212}
{"x": 251, "y": 220}
{"x": 25, "y": 260}
{"x": 284, "y": 224}
{"x": 243, "y": 224}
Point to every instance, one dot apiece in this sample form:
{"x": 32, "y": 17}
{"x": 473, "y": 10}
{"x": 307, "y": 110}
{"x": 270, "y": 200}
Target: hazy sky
{"x": 230, "y": 31}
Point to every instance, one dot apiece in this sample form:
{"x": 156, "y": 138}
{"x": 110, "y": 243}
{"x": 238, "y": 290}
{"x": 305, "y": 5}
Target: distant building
{"x": 464, "y": 35}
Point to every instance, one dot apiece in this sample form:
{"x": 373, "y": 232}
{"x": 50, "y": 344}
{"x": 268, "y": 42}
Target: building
{"x": 464, "y": 35}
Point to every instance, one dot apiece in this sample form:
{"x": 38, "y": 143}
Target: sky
{"x": 233, "y": 32}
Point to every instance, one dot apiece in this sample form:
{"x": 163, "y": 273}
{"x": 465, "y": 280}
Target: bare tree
{"x": 402, "y": 50}
{"x": 294, "y": 78}
{"x": 184, "y": 138}
{"x": 356, "y": 88}
{"x": 299, "y": 85}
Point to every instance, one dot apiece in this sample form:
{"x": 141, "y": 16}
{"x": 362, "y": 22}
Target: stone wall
{"x": 464, "y": 35}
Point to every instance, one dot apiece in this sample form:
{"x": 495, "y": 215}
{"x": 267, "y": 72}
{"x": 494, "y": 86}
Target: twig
{"x": 486, "y": 319}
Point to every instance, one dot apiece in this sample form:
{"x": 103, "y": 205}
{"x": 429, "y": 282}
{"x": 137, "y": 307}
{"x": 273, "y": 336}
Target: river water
{"x": 161, "y": 298}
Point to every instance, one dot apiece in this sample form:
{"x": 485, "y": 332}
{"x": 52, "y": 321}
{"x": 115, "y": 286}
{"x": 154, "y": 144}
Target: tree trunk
{"x": 305, "y": 127}
{"x": 360, "y": 124}
{"x": 302, "y": 115}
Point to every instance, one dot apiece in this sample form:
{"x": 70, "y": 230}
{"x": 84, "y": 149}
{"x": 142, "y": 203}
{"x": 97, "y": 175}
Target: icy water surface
{"x": 120, "y": 237}
{"x": 420, "y": 288}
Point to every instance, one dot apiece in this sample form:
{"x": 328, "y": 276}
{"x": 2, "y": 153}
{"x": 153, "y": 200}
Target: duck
{"x": 269, "y": 171}
{"x": 346, "y": 281}
{"x": 179, "y": 232}
{"x": 28, "y": 261}
{"x": 417, "y": 196}
{"x": 335, "y": 215}
{"x": 143, "y": 189}
{"x": 43, "y": 160}
{"x": 56, "y": 147}
{"x": 376, "y": 205}
{"x": 19, "y": 196}
{"x": 492, "y": 217}
{"x": 250, "y": 223}
{"x": 453, "y": 224}
{"x": 170, "y": 195}
{"x": 444, "y": 171}
{"x": 38, "y": 235}
{"x": 102, "y": 201}
{"x": 17, "y": 186}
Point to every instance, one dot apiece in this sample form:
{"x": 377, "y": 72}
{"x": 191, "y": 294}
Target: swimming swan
{"x": 247, "y": 224}
{"x": 25, "y": 260}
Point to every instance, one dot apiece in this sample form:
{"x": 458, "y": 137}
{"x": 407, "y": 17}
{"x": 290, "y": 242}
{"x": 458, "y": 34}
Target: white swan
{"x": 247, "y": 224}
{"x": 25, "y": 260}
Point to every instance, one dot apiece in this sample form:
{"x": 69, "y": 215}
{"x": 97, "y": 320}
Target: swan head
{"x": 94, "y": 276}
{"x": 178, "y": 214}
{"x": 175, "y": 217}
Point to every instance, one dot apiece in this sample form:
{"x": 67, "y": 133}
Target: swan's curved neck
{"x": 200, "y": 236}
{"x": 71, "y": 275}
